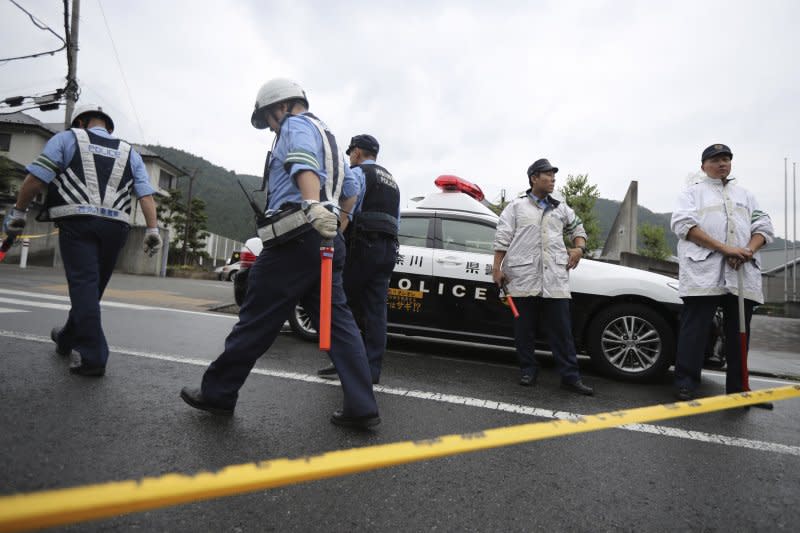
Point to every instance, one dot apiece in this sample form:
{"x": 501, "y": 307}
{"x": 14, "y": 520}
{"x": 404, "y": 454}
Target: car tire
{"x": 240, "y": 286}
{"x": 631, "y": 342}
{"x": 300, "y": 322}
{"x": 232, "y": 275}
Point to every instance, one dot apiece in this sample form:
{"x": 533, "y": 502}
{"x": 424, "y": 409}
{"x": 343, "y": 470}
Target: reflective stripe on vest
{"x": 83, "y": 197}
{"x": 334, "y": 161}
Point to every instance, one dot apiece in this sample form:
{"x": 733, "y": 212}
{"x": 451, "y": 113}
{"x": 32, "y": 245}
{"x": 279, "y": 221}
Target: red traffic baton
{"x": 6, "y": 246}
{"x": 743, "y": 338}
{"x": 510, "y": 300}
{"x": 325, "y": 289}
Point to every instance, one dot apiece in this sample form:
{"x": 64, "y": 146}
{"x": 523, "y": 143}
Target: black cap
{"x": 541, "y": 165}
{"x": 715, "y": 150}
{"x": 367, "y": 142}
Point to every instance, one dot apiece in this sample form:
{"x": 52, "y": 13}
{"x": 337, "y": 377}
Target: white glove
{"x": 325, "y": 222}
{"x": 14, "y": 222}
{"x": 152, "y": 241}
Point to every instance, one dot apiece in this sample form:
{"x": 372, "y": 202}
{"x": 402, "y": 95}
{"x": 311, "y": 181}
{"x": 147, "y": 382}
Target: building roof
{"x": 21, "y": 119}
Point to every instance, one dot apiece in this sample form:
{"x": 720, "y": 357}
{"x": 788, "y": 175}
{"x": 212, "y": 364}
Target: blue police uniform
{"x": 90, "y": 175}
{"x": 286, "y": 273}
{"x": 371, "y": 255}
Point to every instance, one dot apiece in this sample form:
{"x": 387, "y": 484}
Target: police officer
{"x": 531, "y": 256}
{"x": 371, "y": 249}
{"x": 89, "y": 175}
{"x": 720, "y": 229}
{"x": 305, "y": 176}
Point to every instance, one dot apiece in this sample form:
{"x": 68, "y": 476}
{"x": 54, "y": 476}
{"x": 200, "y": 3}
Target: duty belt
{"x": 71, "y": 210}
{"x": 283, "y": 226}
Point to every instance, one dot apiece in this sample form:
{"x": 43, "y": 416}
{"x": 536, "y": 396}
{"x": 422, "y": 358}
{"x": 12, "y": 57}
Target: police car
{"x": 625, "y": 319}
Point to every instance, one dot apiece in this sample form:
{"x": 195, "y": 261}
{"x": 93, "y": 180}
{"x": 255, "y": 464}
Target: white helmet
{"x": 272, "y": 92}
{"x": 92, "y": 108}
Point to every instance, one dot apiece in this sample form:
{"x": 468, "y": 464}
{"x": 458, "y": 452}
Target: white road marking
{"x": 103, "y": 303}
{"x": 665, "y": 431}
{"x": 10, "y": 310}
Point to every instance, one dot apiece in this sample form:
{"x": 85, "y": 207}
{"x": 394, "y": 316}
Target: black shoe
{"x": 358, "y": 422}
{"x": 194, "y": 397}
{"x": 527, "y": 380}
{"x": 60, "y": 350}
{"x": 329, "y": 372}
{"x": 578, "y": 387}
{"x": 89, "y": 371}
{"x": 683, "y": 394}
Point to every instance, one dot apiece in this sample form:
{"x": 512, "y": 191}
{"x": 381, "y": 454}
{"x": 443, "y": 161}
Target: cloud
{"x": 621, "y": 90}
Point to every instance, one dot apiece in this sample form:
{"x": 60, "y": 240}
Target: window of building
{"x": 5, "y": 142}
{"x": 165, "y": 179}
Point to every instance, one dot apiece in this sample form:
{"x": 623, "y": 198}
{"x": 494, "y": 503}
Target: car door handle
{"x": 449, "y": 261}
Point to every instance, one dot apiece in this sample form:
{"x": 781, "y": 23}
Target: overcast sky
{"x": 621, "y": 90}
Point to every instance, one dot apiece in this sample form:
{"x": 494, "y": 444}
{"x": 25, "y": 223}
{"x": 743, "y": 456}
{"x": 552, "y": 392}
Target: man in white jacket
{"x": 720, "y": 229}
{"x": 530, "y": 254}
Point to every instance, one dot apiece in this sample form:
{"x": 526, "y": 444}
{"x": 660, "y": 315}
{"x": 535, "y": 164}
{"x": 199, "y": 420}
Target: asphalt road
{"x": 731, "y": 470}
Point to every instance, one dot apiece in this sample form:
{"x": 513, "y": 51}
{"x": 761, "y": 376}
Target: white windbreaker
{"x": 729, "y": 214}
{"x": 533, "y": 239}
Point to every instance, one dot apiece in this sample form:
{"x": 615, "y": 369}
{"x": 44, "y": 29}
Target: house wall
{"x": 25, "y": 145}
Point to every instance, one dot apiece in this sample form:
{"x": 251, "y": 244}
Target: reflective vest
{"x": 381, "y": 202}
{"x": 97, "y": 182}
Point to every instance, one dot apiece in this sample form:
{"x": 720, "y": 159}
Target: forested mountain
{"x": 230, "y": 215}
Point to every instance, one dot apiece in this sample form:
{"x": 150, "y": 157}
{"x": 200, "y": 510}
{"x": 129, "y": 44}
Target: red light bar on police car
{"x": 454, "y": 183}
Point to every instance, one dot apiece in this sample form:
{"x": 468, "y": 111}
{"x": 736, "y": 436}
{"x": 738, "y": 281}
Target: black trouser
{"x": 558, "y": 323}
{"x": 369, "y": 266}
{"x": 696, "y": 317}
{"x": 89, "y": 248}
{"x": 280, "y": 277}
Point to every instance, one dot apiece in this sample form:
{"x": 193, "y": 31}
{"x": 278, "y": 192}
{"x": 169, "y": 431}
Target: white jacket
{"x": 729, "y": 214}
{"x": 533, "y": 239}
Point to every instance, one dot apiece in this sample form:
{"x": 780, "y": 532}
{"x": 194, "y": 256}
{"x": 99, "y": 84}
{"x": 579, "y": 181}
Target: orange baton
{"x": 510, "y": 300}
{"x": 6, "y": 246}
{"x": 325, "y": 284}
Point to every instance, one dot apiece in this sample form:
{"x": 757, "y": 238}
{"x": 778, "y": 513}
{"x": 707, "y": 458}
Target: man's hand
{"x": 325, "y": 222}
{"x": 498, "y": 277}
{"x": 14, "y": 222}
{"x": 152, "y": 242}
{"x": 575, "y": 255}
{"x": 736, "y": 256}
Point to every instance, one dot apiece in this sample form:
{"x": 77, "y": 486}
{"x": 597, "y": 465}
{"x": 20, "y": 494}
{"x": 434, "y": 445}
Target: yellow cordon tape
{"x": 35, "y": 510}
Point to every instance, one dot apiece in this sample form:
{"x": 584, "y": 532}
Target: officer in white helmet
{"x": 305, "y": 179}
{"x": 89, "y": 176}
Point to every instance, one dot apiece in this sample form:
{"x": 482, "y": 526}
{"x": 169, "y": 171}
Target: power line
{"x": 42, "y": 26}
{"x": 119, "y": 65}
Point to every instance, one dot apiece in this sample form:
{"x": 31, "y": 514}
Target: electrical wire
{"x": 119, "y": 65}
{"x": 42, "y": 26}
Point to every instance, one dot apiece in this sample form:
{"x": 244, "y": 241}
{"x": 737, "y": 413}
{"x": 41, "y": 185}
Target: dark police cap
{"x": 541, "y": 165}
{"x": 715, "y": 150}
{"x": 367, "y": 142}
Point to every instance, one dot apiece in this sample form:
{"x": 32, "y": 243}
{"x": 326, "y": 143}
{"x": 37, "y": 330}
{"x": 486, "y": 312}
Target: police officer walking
{"x": 531, "y": 257}
{"x": 89, "y": 175}
{"x": 371, "y": 249}
{"x": 305, "y": 177}
{"x": 720, "y": 229}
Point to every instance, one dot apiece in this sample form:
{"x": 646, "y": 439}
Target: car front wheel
{"x": 632, "y": 342}
{"x": 300, "y": 321}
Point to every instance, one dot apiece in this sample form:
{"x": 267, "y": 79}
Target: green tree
{"x": 654, "y": 242}
{"x": 581, "y": 196}
{"x": 188, "y": 240}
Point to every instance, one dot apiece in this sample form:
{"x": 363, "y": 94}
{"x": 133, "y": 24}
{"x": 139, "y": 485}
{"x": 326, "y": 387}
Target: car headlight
{"x": 673, "y": 284}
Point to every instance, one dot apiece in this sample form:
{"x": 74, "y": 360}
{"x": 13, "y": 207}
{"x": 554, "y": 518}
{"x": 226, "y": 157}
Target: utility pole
{"x": 794, "y": 232}
{"x": 188, "y": 214}
{"x": 785, "y": 231}
{"x": 72, "y": 63}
